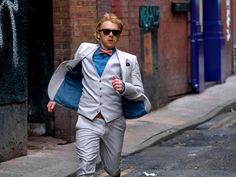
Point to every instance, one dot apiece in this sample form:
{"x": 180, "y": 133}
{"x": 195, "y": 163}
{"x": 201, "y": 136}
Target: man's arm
{"x": 133, "y": 86}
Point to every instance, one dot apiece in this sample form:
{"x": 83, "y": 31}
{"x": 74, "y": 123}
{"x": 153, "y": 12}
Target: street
{"x": 208, "y": 150}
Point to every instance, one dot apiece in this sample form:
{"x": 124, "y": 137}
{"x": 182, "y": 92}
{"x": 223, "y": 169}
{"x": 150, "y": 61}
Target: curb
{"x": 167, "y": 134}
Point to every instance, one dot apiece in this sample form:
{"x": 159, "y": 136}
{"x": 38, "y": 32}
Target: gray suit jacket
{"x": 65, "y": 86}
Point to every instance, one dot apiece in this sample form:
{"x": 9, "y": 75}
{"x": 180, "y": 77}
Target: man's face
{"x": 109, "y": 34}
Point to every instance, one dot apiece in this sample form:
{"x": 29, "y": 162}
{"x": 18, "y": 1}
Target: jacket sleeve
{"x": 133, "y": 83}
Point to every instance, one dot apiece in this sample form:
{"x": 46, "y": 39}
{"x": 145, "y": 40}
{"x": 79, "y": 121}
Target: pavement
{"x": 55, "y": 160}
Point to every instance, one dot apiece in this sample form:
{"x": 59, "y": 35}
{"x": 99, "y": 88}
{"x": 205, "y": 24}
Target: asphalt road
{"x": 208, "y": 150}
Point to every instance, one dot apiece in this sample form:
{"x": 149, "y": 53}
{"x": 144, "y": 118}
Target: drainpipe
{"x": 197, "y": 59}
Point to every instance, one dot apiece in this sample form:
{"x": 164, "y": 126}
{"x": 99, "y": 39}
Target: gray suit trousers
{"x": 98, "y": 136}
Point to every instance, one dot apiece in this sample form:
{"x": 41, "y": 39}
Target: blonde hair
{"x": 108, "y": 17}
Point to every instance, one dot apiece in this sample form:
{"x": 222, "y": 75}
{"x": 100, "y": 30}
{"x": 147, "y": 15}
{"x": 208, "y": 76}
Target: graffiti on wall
{"x": 149, "y": 17}
{"x": 12, "y": 6}
{"x": 13, "y": 51}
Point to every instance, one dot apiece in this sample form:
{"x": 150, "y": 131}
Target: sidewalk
{"x": 60, "y": 160}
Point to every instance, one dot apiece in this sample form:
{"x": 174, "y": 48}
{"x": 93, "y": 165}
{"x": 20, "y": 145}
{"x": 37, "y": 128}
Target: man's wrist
{"x": 123, "y": 90}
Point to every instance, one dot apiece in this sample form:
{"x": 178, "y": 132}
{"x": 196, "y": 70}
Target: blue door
{"x": 207, "y": 44}
{"x": 214, "y": 49}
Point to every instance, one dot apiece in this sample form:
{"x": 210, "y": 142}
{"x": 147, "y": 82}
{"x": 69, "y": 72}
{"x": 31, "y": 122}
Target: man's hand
{"x": 117, "y": 84}
{"x": 51, "y": 106}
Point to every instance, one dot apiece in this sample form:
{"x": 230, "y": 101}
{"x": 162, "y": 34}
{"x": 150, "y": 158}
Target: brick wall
{"x": 170, "y": 78}
{"x": 62, "y": 30}
{"x": 234, "y": 21}
{"x": 74, "y": 22}
{"x": 228, "y": 42}
{"x": 173, "y": 43}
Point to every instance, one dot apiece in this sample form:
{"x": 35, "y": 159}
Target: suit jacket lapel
{"x": 122, "y": 60}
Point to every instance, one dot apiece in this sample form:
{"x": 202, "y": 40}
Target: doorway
{"x": 40, "y": 65}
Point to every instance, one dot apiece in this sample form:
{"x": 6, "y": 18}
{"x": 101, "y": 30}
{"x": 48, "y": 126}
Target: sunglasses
{"x": 108, "y": 31}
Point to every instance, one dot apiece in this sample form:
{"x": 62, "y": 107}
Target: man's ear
{"x": 98, "y": 36}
